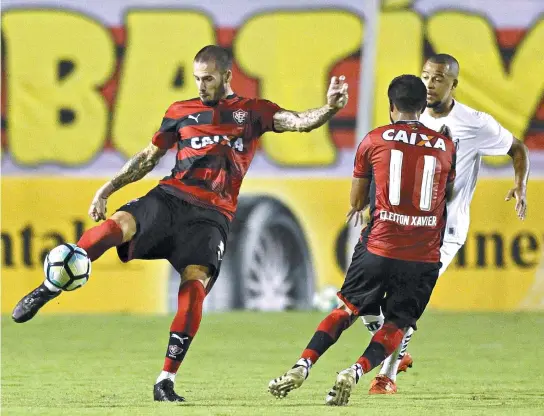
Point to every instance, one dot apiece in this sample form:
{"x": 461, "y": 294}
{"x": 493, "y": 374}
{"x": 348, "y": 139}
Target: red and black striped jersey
{"x": 215, "y": 146}
{"x": 409, "y": 167}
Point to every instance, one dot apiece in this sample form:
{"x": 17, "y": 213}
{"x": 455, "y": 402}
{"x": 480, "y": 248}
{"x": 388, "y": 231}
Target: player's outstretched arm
{"x": 135, "y": 169}
{"x": 337, "y": 98}
{"x": 520, "y": 159}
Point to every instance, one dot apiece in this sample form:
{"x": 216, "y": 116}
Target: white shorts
{"x": 447, "y": 252}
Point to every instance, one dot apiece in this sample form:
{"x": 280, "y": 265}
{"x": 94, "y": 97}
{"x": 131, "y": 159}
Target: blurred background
{"x": 85, "y": 85}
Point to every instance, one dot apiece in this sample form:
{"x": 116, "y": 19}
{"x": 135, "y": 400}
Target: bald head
{"x": 450, "y": 63}
{"x": 439, "y": 75}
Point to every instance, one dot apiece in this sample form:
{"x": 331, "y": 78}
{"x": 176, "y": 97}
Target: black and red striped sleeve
{"x": 264, "y": 111}
{"x": 167, "y": 135}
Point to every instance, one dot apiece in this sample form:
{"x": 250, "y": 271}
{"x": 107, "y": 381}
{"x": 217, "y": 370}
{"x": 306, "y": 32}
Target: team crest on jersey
{"x": 240, "y": 116}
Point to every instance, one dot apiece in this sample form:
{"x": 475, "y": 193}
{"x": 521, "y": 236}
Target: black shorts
{"x": 400, "y": 288}
{"x": 182, "y": 233}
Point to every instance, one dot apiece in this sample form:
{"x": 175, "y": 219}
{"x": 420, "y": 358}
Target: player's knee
{"x": 126, "y": 223}
{"x": 196, "y": 272}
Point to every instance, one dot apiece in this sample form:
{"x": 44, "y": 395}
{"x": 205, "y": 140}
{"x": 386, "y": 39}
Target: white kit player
{"x": 477, "y": 134}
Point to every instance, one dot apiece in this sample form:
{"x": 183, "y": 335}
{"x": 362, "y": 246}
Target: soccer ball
{"x": 67, "y": 267}
{"x": 326, "y": 299}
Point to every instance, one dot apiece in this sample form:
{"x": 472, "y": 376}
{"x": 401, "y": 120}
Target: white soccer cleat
{"x": 293, "y": 379}
{"x": 339, "y": 394}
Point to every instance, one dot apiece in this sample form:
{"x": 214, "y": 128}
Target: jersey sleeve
{"x": 362, "y": 167}
{"x": 494, "y": 139}
{"x": 265, "y": 111}
{"x": 167, "y": 135}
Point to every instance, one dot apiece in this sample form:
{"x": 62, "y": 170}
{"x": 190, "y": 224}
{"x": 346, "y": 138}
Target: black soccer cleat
{"x": 32, "y": 303}
{"x": 163, "y": 391}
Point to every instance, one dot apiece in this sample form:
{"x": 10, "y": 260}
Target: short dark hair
{"x": 408, "y": 93}
{"x": 445, "y": 59}
{"x": 222, "y": 57}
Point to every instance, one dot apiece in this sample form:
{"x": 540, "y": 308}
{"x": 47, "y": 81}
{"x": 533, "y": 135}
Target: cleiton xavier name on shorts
{"x": 409, "y": 220}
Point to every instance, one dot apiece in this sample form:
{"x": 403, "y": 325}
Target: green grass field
{"x": 106, "y": 365}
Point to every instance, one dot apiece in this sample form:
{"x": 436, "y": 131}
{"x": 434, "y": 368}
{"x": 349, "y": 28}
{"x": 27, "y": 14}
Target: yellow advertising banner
{"x": 499, "y": 268}
{"x": 62, "y": 75}
{"x": 37, "y": 215}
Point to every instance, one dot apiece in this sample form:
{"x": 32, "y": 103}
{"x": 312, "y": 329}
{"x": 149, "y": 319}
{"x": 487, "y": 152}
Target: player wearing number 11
{"x": 405, "y": 172}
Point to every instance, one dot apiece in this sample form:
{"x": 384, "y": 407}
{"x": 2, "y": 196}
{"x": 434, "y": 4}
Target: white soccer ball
{"x": 67, "y": 267}
{"x": 325, "y": 300}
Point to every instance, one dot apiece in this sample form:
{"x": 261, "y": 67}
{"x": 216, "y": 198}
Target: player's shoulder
{"x": 431, "y": 133}
{"x": 378, "y": 136}
{"x": 471, "y": 116}
{"x": 182, "y": 108}
{"x": 191, "y": 102}
{"x": 258, "y": 103}
{"x": 249, "y": 102}
{"x": 379, "y": 131}
{"x": 372, "y": 135}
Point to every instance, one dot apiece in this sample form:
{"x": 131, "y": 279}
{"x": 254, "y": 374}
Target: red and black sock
{"x": 328, "y": 332}
{"x": 185, "y": 324}
{"x": 381, "y": 346}
{"x": 97, "y": 240}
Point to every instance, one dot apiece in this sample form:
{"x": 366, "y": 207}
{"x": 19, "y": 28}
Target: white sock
{"x": 51, "y": 286}
{"x": 372, "y": 322}
{"x": 306, "y": 364}
{"x": 358, "y": 371}
{"x": 165, "y": 375}
{"x": 391, "y": 363}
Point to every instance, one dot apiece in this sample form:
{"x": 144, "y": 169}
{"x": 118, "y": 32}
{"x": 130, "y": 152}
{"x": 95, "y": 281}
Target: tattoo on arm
{"x": 304, "y": 121}
{"x": 138, "y": 166}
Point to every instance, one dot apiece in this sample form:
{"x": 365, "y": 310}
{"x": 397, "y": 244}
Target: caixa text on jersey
{"x": 236, "y": 143}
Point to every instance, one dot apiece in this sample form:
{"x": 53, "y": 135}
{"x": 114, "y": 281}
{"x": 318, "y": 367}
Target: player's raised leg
{"x": 183, "y": 329}
{"x": 120, "y": 228}
{"x": 327, "y": 333}
{"x": 113, "y": 232}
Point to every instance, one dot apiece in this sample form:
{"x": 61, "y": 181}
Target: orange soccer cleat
{"x": 381, "y": 384}
{"x": 405, "y": 363}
